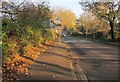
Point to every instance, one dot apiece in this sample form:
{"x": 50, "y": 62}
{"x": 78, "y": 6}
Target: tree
{"x": 37, "y": 16}
{"x": 27, "y": 13}
{"x": 23, "y": 35}
{"x": 67, "y": 17}
{"x": 103, "y": 10}
{"x": 89, "y": 22}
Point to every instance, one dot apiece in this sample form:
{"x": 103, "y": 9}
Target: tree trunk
{"x": 112, "y": 31}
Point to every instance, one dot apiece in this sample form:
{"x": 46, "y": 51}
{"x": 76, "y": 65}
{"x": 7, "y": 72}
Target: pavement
{"x": 53, "y": 64}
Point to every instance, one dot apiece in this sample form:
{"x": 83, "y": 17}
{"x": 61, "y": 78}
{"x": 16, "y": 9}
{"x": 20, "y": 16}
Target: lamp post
{"x": 60, "y": 31}
{"x": 60, "y": 28}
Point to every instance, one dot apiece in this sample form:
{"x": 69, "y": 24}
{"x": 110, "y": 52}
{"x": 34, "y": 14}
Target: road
{"x": 75, "y": 59}
{"x": 91, "y": 60}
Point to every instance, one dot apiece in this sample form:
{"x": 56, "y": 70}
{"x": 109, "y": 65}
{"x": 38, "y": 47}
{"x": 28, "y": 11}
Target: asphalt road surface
{"x": 91, "y": 60}
{"x": 75, "y": 58}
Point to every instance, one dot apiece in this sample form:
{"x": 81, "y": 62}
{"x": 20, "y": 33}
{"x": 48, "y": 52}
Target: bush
{"x": 48, "y": 35}
{"x": 21, "y": 47}
{"x": 22, "y": 38}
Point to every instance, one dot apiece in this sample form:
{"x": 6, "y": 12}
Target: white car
{"x": 64, "y": 35}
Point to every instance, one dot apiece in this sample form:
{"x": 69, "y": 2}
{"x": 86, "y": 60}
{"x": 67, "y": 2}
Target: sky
{"x": 69, "y": 4}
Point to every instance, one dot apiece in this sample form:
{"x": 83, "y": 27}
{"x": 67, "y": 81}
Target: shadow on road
{"x": 48, "y": 45}
{"x": 46, "y": 63}
{"x": 56, "y": 54}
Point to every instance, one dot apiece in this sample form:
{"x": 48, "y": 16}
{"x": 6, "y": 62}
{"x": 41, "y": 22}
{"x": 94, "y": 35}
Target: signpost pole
{"x": 59, "y": 38}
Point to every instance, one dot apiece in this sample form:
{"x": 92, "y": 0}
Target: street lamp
{"x": 60, "y": 28}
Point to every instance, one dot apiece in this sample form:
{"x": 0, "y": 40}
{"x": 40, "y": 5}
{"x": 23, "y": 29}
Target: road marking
{"x": 83, "y": 77}
{"x": 73, "y": 70}
{"x": 71, "y": 64}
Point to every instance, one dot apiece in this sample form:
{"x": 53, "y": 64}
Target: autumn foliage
{"x": 23, "y": 40}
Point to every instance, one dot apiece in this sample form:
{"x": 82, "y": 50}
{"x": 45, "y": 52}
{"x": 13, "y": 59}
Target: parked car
{"x": 64, "y": 34}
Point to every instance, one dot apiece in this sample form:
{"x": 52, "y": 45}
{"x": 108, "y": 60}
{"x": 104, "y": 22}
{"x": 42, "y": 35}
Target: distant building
{"x": 55, "y": 23}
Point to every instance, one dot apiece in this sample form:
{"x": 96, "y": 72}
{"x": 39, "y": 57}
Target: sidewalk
{"x": 53, "y": 64}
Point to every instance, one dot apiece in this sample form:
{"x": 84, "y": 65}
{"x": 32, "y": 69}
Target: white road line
{"x": 71, "y": 66}
{"x": 73, "y": 70}
{"x": 85, "y": 78}
{"x": 79, "y": 73}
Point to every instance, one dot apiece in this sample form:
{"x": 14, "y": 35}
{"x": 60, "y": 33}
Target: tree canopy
{"x": 107, "y": 11}
{"x": 67, "y": 17}
{"x": 88, "y": 23}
